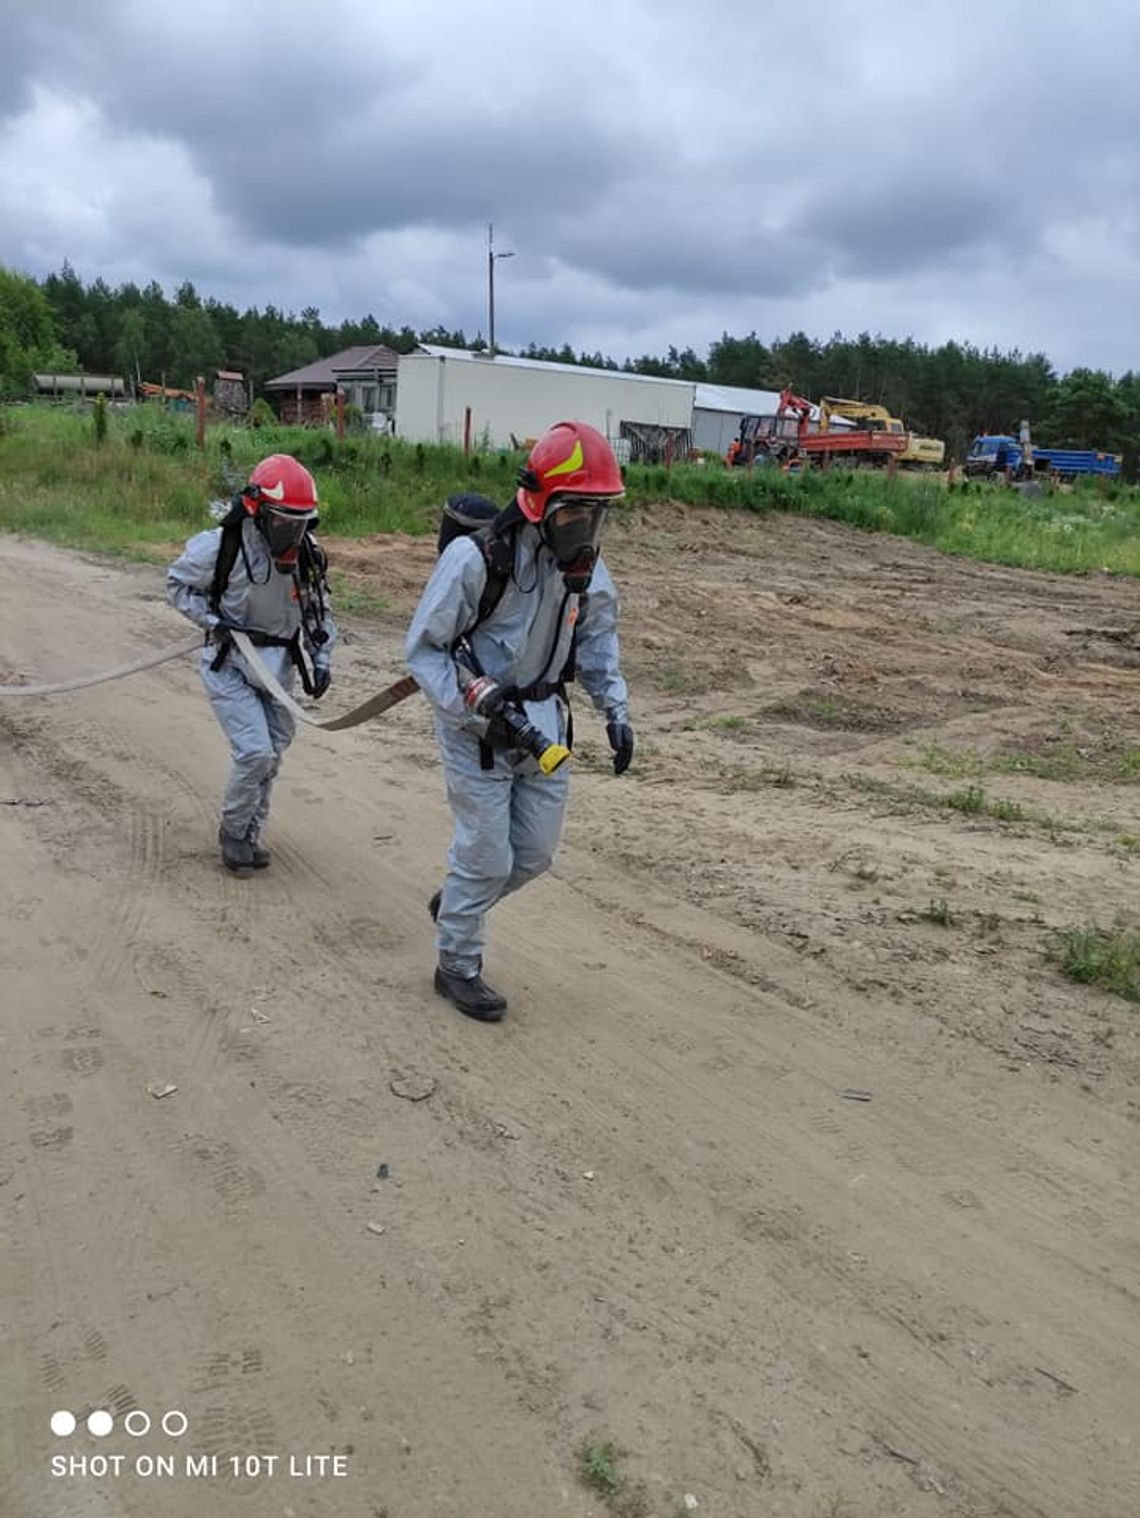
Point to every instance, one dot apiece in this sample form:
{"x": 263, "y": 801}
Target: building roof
{"x": 741, "y": 401}
{"x": 737, "y": 399}
{"x": 508, "y": 360}
{"x": 325, "y": 373}
{"x": 231, "y": 374}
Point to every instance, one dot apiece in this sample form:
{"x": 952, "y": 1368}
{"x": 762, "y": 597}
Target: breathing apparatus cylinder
{"x": 524, "y": 735}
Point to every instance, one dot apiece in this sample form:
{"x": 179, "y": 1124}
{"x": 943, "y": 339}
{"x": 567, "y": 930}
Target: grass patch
{"x": 971, "y": 801}
{"x": 714, "y": 724}
{"x": 147, "y": 482}
{"x": 954, "y": 764}
{"x": 1095, "y": 527}
{"x": 1104, "y": 957}
{"x": 684, "y": 682}
{"x": 1064, "y": 762}
{"x": 1057, "y": 760}
{"x": 811, "y": 709}
{"x": 826, "y": 708}
{"x": 355, "y": 599}
{"x": 781, "y": 776}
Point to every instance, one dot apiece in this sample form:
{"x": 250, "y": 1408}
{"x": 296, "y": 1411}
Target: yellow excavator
{"x": 921, "y": 452}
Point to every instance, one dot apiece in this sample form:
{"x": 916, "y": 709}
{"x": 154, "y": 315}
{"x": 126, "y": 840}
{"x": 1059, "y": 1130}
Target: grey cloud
{"x": 31, "y": 38}
{"x": 731, "y": 254}
{"x": 315, "y": 146}
{"x": 645, "y": 158}
{"x": 903, "y": 227}
{"x": 323, "y": 189}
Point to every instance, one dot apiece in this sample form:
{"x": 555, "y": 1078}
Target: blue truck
{"x": 993, "y": 456}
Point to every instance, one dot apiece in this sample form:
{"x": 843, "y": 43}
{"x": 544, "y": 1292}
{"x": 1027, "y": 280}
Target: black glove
{"x": 620, "y": 735}
{"x": 484, "y": 696}
{"x": 322, "y": 679}
{"x": 499, "y": 734}
{"x": 221, "y": 631}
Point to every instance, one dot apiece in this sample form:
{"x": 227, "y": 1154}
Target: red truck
{"x": 787, "y": 437}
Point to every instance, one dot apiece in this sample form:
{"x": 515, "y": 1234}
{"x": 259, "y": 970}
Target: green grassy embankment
{"x": 148, "y": 485}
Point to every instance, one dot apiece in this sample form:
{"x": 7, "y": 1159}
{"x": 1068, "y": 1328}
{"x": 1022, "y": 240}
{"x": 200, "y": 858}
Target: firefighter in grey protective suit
{"x": 261, "y": 572}
{"x": 485, "y": 672}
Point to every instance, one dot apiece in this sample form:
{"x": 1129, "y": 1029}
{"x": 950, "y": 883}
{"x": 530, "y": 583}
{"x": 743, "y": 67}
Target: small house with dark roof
{"x": 367, "y": 375}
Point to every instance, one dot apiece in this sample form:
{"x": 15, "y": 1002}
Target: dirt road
{"x": 642, "y": 1211}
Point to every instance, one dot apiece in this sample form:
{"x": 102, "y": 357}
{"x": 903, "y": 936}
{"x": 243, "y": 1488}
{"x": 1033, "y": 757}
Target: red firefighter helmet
{"x": 282, "y": 484}
{"x": 281, "y": 496}
{"x": 570, "y": 458}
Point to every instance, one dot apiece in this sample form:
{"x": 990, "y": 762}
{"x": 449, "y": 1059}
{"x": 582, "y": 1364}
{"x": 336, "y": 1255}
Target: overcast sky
{"x": 662, "y": 171}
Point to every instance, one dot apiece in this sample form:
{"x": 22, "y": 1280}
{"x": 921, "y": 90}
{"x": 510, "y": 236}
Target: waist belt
{"x": 268, "y": 640}
{"x": 541, "y": 690}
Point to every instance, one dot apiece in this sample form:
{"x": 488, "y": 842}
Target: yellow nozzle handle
{"x": 552, "y": 757}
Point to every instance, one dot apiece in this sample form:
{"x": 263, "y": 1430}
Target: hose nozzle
{"x": 548, "y": 756}
{"x": 554, "y": 755}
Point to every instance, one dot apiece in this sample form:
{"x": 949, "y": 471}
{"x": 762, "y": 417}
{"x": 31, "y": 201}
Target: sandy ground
{"x": 641, "y": 1210}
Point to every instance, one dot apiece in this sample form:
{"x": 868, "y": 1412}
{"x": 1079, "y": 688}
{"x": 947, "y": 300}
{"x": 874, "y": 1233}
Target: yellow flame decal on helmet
{"x": 567, "y": 466}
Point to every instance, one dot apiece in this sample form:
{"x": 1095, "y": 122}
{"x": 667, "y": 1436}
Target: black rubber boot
{"x": 433, "y": 906}
{"x": 259, "y": 856}
{"x": 237, "y": 853}
{"x": 474, "y": 997}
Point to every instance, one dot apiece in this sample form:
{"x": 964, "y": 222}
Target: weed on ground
{"x": 598, "y": 1470}
{"x": 1096, "y": 956}
{"x": 938, "y": 912}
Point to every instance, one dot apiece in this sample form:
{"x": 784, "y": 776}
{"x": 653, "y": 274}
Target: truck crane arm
{"x": 790, "y": 401}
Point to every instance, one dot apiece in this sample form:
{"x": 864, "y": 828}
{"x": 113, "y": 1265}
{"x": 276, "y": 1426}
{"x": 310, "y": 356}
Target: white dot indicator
{"x": 168, "y": 1420}
{"x": 62, "y": 1423}
{"x": 100, "y": 1424}
{"x": 137, "y": 1423}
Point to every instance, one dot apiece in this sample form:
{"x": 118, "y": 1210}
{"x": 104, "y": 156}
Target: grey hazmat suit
{"x": 260, "y": 599}
{"x": 508, "y": 820}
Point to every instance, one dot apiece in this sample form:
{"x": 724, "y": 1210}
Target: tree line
{"x": 953, "y": 391}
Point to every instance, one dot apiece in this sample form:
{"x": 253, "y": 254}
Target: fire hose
{"x": 396, "y": 692}
{"x": 549, "y": 756}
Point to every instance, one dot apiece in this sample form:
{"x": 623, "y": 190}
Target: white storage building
{"x": 444, "y": 393}
{"x": 718, "y": 409}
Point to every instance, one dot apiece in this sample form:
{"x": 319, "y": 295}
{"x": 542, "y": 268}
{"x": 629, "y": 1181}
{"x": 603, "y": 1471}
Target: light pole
{"x": 491, "y": 257}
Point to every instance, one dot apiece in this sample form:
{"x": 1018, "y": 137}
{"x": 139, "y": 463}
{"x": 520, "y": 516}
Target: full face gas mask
{"x": 571, "y": 528}
{"x": 283, "y": 531}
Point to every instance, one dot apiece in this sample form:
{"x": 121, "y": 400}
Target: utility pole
{"x": 491, "y": 257}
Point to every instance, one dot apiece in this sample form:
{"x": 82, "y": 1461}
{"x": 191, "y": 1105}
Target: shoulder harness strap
{"x": 231, "y": 545}
{"x": 497, "y": 543}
